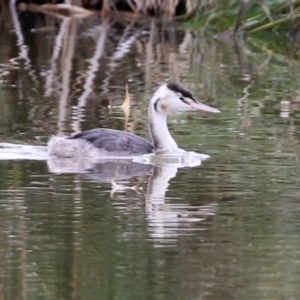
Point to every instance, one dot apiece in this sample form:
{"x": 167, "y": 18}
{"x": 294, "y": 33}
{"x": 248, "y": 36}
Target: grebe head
{"x": 171, "y": 98}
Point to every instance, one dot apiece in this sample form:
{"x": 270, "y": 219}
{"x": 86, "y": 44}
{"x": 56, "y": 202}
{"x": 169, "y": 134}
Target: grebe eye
{"x": 183, "y": 100}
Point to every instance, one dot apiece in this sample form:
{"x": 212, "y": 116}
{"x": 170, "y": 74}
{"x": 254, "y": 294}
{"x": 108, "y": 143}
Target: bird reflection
{"x": 165, "y": 220}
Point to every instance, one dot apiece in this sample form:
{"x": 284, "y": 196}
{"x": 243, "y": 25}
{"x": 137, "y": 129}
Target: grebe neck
{"x": 158, "y": 128}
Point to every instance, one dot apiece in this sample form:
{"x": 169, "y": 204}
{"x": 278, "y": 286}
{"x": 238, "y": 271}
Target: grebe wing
{"x": 112, "y": 140}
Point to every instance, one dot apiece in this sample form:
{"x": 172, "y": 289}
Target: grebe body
{"x": 169, "y": 99}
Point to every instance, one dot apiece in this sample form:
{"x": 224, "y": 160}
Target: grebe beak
{"x": 203, "y": 107}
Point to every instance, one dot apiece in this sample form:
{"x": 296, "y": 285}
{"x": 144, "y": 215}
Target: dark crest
{"x": 179, "y": 89}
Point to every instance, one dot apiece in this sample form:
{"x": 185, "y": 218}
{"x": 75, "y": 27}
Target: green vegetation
{"x": 246, "y": 16}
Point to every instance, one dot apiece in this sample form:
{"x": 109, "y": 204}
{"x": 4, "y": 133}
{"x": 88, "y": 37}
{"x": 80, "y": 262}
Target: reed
{"x": 151, "y": 8}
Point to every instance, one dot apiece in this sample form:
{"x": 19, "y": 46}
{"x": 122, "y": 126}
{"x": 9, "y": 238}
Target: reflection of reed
{"x": 149, "y": 56}
{"x": 66, "y": 67}
{"x": 94, "y": 65}
{"x": 23, "y": 48}
{"x": 55, "y": 55}
{"x": 124, "y": 46}
{"x": 90, "y": 75}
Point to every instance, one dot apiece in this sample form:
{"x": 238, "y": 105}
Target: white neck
{"x": 158, "y": 128}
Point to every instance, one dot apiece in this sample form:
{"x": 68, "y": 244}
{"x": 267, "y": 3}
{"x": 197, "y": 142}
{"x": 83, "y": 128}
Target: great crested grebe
{"x": 169, "y": 99}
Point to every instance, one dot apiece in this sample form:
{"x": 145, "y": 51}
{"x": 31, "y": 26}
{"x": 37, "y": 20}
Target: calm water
{"x": 227, "y": 229}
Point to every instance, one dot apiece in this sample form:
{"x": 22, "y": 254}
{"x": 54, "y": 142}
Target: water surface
{"x": 226, "y": 229}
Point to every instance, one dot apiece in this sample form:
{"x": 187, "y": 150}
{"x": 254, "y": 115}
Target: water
{"x": 225, "y": 229}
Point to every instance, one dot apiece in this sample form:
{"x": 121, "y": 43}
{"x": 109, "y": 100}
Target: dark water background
{"x": 228, "y": 229}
